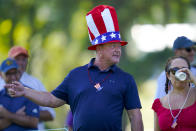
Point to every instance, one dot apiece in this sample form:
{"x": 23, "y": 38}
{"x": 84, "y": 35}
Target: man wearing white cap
{"x": 21, "y": 56}
{"x": 99, "y": 91}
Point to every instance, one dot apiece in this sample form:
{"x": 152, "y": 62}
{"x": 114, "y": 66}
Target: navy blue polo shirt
{"x": 14, "y": 104}
{"x": 98, "y": 110}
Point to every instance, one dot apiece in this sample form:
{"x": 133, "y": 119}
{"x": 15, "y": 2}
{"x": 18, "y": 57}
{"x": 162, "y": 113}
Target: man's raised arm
{"x": 16, "y": 89}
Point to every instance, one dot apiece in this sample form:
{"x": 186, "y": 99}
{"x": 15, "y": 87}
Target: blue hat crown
{"x": 8, "y": 64}
{"x": 182, "y": 42}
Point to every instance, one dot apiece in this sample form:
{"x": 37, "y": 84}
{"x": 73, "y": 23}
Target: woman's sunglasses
{"x": 174, "y": 70}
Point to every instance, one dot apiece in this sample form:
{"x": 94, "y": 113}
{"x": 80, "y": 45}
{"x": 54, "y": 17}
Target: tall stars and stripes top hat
{"x": 103, "y": 26}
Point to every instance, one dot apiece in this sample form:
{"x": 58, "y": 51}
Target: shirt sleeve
{"x": 2, "y": 83}
{"x": 132, "y": 100}
{"x": 40, "y": 85}
{"x": 193, "y": 70}
{"x": 155, "y": 105}
{"x": 51, "y": 110}
{"x": 160, "y": 91}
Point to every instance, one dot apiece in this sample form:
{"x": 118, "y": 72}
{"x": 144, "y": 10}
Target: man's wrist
{"x": 25, "y": 91}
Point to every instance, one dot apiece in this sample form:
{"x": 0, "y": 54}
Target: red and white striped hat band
{"x": 103, "y": 26}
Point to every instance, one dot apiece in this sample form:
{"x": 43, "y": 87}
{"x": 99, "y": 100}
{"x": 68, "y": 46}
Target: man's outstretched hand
{"x": 15, "y": 89}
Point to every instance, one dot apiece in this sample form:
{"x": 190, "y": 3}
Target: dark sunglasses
{"x": 11, "y": 73}
{"x": 174, "y": 70}
{"x": 190, "y": 49}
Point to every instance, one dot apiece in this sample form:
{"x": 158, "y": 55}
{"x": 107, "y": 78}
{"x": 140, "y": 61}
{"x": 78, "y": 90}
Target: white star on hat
{"x": 113, "y": 35}
{"x": 96, "y": 41}
{"x": 103, "y": 38}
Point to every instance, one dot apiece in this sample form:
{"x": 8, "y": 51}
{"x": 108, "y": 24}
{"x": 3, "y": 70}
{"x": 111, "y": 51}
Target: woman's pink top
{"x": 186, "y": 120}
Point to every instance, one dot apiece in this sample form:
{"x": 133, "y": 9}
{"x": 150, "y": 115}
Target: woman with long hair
{"x": 177, "y": 110}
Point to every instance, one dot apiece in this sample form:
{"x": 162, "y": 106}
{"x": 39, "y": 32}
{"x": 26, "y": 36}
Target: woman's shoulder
{"x": 160, "y": 103}
{"x": 156, "y": 104}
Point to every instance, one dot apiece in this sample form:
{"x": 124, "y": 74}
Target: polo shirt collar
{"x": 91, "y": 65}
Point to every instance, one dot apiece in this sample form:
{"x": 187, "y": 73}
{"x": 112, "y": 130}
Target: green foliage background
{"x": 55, "y": 33}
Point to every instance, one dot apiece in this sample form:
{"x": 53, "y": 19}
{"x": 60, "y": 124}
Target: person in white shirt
{"x": 21, "y": 56}
{"x": 182, "y": 47}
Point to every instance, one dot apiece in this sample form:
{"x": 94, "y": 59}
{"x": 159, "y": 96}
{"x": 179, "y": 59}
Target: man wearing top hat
{"x": 98, "y": 91}
{"x": 16, "y": 114}
{"x": 182, "y": 46}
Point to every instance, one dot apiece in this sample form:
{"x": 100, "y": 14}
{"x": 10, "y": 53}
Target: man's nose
{"x": 192, "y": 52}
{"x": 13, "y": 77}
{"x": 20, "y": 62}
{"x": 118, "y": 49}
